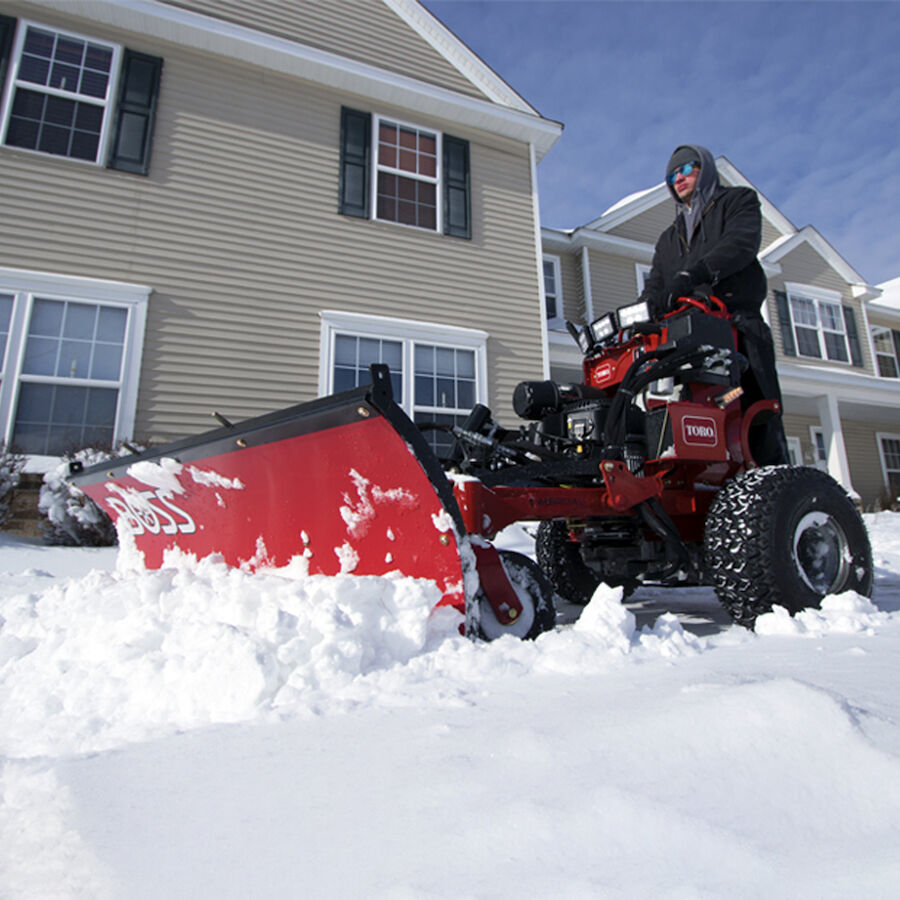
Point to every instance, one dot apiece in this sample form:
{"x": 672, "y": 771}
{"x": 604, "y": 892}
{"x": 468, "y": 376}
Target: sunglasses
{"x": 686, "y": 169}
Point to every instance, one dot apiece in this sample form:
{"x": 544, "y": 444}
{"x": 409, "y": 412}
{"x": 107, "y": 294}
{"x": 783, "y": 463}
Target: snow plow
{"x": 642, "y": 473}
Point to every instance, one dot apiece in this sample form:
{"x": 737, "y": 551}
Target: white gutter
{"x": 189, "y": 29}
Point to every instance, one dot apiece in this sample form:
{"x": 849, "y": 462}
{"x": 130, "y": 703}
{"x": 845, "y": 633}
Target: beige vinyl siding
{"x": 613, "y": 281}
{"x": 572, "y": 286}
{"x": 364, "y": 30}
{"x": 236, "y": 228}
{"x": 647, "y": 226}
{"x": 865, "y": 462}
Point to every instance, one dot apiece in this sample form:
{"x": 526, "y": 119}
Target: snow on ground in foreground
{"x": 202, "y": 732}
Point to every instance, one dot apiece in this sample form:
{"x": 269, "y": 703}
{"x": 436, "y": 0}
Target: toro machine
{"x": 640, "y": 474}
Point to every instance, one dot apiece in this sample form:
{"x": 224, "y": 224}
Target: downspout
{"x": 586, "y": 279}
{"x": 539, "y": 260}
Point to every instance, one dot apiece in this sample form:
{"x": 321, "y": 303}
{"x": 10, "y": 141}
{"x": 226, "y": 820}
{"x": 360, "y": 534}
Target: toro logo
{"x": 603, "y": 373}
{"x": 699, "y": 430}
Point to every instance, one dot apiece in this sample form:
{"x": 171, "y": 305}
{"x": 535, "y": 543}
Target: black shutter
{"x": 135, "y": 113}
{"x": 784, "y": 319}
{"x": 356, "y": 130}
{"x": 7, "y": 30}
{"x": 457, "y": 203}
{"x": 853, "y": 337}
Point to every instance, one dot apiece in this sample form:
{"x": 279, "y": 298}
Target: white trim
{"x": 588, "y": 290}
{"x": 539, "y": 260}
{"x": 108, "y": 103}
{"x": 795, "y": 450}
{"x": 379, "y": 86}
{"x": 851, "y": 386}
{"x": 73, "y": 286}
{"x": 817, "y": 295}
{"x": 835, "y": 448}
{"x": 464, "y": 60}
{"x": 876, "y": 353}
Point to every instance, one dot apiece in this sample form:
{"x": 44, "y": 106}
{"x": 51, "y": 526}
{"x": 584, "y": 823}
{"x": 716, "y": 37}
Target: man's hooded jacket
{"x": 716, "y": 240}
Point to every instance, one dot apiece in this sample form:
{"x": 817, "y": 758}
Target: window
{"x": 71, "y": 364}
{"x": 819, "y": 326}
{"x": 553, "y": 306}
{"x": 820, "y": 452}
{"x": 641, "y": 272}
{"x": 406, "y": 174}
{"x": 889, "y": 448}
{"x": 885, "y": 343}
{"x": 61, "y": 97}
{"x": 795, "y": 451}
{"x": 438, "y": 373}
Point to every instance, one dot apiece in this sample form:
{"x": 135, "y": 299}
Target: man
{"x": 711, "y": 248}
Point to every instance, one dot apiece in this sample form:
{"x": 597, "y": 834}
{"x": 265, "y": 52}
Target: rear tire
{"x": 561, "y": 561}
{"x": 785, "y": 536}
{"x": 535, "y": 593}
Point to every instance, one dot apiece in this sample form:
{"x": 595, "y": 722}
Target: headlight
{"x": 603, "y": 327}
{"x": 636, "y": 312}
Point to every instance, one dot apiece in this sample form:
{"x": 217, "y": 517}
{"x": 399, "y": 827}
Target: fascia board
{"x": 226, "y": 39}
{"x": 730, "y": 173}
{"x": 461, "y": 57}
{"x": 814, "y": 381}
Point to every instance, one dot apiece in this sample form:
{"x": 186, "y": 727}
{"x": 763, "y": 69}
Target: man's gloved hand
{"x": 681, "y": 285}
{"x": 685, "y": 280}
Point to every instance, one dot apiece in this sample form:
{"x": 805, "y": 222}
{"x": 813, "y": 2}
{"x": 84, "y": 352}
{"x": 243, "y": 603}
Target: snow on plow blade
{"x": 346, "y": 482}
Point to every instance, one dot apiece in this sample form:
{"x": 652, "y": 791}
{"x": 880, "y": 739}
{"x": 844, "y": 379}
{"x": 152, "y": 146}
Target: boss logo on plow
{"x": 699, "y": 430}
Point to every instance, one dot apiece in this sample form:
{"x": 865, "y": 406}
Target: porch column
{"x": 836, "y": 452}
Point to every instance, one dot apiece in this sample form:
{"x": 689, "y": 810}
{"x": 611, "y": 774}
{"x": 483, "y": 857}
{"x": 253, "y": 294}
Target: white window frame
{"x": 437, "y": 181}
{"x": 107, "y": 103}
{"x": 795, "y": 451}
{"x": 880, "y": 437}
{"x": 27, "y": 286}
{"x": 557, "y": 322}
{"x": 818, "y": 296}
{"x": 878, "y": 330}
{"x": 641, "y": 271}
{"x": 408, "y": 333}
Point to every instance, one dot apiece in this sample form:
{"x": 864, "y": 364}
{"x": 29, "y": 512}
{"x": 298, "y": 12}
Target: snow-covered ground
{"x": 198, "y": 732}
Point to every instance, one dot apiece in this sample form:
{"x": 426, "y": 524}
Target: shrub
{"x": 10, "y": 466}
{"x": 71, "y": 518}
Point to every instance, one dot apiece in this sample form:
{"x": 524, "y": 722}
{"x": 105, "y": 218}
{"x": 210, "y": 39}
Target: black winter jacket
{"x": 725, "y": 243}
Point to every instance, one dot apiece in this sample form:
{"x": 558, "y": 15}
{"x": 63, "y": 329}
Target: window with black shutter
{"x": 76, "y": 97}
{"x": 394, "y": 171}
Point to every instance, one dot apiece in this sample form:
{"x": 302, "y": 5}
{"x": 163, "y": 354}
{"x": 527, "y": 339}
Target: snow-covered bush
{"x": 10, "y": 467}
{"x": 71, "y": 518}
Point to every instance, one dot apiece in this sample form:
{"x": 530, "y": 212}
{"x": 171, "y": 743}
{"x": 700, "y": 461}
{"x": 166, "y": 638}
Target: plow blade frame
{"x": 346, "y": 483}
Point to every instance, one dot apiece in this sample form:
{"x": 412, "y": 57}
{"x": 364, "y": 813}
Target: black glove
{"x": 685, "y": 280}
{"x": 681, "y": 285}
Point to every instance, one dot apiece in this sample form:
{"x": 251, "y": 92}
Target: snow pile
{"x": 118, "y": 657}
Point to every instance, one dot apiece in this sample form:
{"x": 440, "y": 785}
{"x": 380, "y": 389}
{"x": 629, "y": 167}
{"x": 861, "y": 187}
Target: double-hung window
{"x": 60, "y": 88}
{"x": 885, "y": 341}
{"x": 818, "y": 322}
{"x": 889, "y": 448}
{"x": 553, "y": 301}
{"x": 438, "y": 372}
{"x": 76, "y": 97}
{"x": 70, "y": 363}
{"x": 395, "y": 171}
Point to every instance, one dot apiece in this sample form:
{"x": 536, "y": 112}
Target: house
{"x": 837, "y": 338}
{"x": 237, "y": 206}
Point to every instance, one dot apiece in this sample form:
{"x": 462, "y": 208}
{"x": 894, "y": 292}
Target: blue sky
{"x": 803, "y": 97}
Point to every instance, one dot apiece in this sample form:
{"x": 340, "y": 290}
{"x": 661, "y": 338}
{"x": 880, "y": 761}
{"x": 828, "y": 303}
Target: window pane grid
{"x": 407, "y": 174}
{"x": 444, "y": 378}
{"x": 6, "y": 307}
{"x": 819, "y": 328}
{"x": 884, "y": 353}
{"x": 59, "y": 102}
